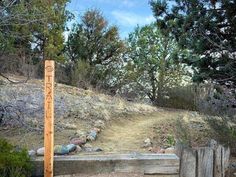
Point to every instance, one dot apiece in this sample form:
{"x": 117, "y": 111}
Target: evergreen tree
{"x": 96, "y": 46}
{"x": 206, "y": 27}
{"x": 154, "y": 62}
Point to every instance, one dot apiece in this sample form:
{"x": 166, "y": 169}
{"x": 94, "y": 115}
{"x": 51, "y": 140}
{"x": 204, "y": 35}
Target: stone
{"x": 71, "y": 147}
{"x": 70, "y": 126}
{"x": 170, "y": 150}
{"x": 147, "y": 143}
{"x": 92, "y": 135}
{"x": 99, "y": 124}
{"x": 87, "y": 145}
{"x": 77, "y": 141}
{"x": 157, "y": 150}
{"x": 78, "y": 149}
{"x": 80, "y": 133}
{"x": 98, "y": 130}
{"x": 162, "y": 151}
{"x": 31, "y": 152}
{"x": 40, "y": 151}
{"x": 212, "y": 144}
{"x": 91, "y": 149}
{"x": 61, "y": 150}
{"x": 97, "y": 149}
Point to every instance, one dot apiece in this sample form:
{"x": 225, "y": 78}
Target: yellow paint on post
{"x": 49, "y": 117}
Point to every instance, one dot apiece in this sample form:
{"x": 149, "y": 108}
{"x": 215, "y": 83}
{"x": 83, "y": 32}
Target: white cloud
{"x": 129, "y": 19}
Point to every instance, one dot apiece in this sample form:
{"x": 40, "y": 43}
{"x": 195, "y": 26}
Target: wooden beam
{"x": 49, "y": 117}
{"x": 159, "y": 164}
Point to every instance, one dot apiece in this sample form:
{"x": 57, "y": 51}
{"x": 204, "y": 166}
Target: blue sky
{"x": 126, "y": 14}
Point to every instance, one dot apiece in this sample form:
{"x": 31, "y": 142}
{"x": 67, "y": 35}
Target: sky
{"x": 126, "y": 14}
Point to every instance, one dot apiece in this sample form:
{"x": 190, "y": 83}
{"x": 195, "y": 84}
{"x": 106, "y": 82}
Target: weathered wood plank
{"x": 218, "y": 168}
{"x": 138, "y": 163}
{"x": 205, "y": 162}
{"x": 225, "y": 161}
{"x": 188, "y": 163}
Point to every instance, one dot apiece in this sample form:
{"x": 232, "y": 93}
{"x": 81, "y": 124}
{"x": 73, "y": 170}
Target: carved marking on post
{"x": 49, "y": 117}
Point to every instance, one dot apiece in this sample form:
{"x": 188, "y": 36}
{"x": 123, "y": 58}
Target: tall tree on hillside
{"x": 34, "y": 25}
{"x": 94, "y": 43}
{"x": 206, "y": 27}
{"x": 154, "y": 62}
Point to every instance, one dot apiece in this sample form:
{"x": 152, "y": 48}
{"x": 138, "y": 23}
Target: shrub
{"x": 224, "y": 130}
{"x": 13, "y": 162}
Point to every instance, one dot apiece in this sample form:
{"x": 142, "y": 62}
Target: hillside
{"x": 75, "y": 110}
{"x": 125, "y": 126}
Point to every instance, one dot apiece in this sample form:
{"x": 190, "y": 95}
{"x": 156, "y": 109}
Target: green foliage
{"x": 183, "y": 133}
{"x": 208, "y": 29}
{"x": 80, "y": 74}
{"x": 170, "y": 140}
{"x": 94, "y": 42}
{"x": 181, "y": 97}
{"x": 224, "y": 130}
{"x": 154, "y": 62}
{"x": 13, "y": 163}
{"x": 33, "y": 27}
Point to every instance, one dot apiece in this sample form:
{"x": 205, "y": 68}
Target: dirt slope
{"x": 161, "y": 127}
{"x": 127, "y": 124}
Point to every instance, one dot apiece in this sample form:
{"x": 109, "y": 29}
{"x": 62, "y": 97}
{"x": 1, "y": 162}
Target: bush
{"x": 180, "y": 97}
{"x": 13, "y": 162}
{"x": 224, "y": 130}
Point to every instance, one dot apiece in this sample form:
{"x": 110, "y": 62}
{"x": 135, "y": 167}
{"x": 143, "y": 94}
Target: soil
{"x": 124, "y": 134}
{"x": 128, "y": 135}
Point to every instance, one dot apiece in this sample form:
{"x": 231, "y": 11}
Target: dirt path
{"x": 128, "y": 135}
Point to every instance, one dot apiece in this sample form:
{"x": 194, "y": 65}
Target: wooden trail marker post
{"x": 49, "y": 71}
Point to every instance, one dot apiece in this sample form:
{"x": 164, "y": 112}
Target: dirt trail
{"x": 128, "y": 135}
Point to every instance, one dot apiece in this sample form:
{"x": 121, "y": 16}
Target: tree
{"x": 37, "y": 25}
{"x": 94, "y": 42}
{"x": 154, "y": 62}
{"x": 208, "y": 28}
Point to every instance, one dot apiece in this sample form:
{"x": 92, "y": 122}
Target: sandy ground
{"x": 128, "y": 135}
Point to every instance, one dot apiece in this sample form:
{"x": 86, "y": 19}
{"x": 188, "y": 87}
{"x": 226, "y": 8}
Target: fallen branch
{"x": 14, "y": 82}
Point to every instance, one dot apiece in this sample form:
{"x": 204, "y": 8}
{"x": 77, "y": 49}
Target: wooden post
{"x": 49, "y": 117}
{"x": 188, "y": 164}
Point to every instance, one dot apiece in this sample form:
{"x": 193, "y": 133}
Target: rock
{"x": 31, "y": 152}
{"x": 77, "y": 141}
{"x": 170, "y": 150}
{"x": 80, "y": 133}
{"x": 212, "y": 144}
{"x": 70, "y": 126}
{"x": 99, "y": 124}
{"x": 71, "y": 147}
{"x": 97, "y": 149}
{"x": 98, "y": 130}
{"x": 91, "y": 149}
{"x": 78, "y": 149}
{"x": 87, "y": 145}
{"x": 157, "y": 149}
{"x": 40, "y": 151}
{"x": 147, "y": 143}
{"x": 162, "y": 151}
{"x": 92, "y": 135}
{"x": 61, "y": 150}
